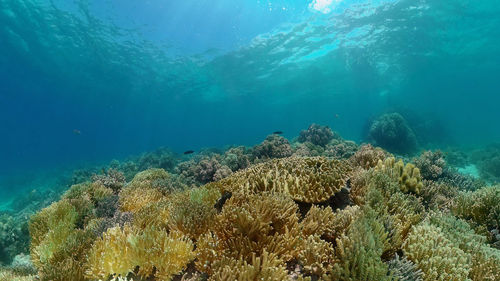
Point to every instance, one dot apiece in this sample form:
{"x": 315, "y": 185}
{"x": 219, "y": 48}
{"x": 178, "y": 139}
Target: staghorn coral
{"x": 251, "y": 224}
{"x": 316, "y": 134}
{"x": 154, "y": 252}
{"x": 408, "y": 175}
{"x": 367, "y": 156}
{"x": 481, "y": 206}
{"x": 309, "y": 180}
{"x": 392, "y": 132}
{"x": 274, "y": 146}
{"x": 265, "y": 267}
{"x": 435, "y": 255}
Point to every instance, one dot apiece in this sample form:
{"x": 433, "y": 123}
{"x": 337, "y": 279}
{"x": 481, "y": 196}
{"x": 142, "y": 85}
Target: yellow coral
{"x": 435, "y": 255}
{"x": 265, "y": 267}
{"x": 120, "y": 251}
{"x": 193, "y": 211}
{"x": 318, "y": 221}
{"x": 317, "y": 256}
{"x": 160, "y": 252}
{"x": 134, "y": 199}
{"x": 408, "y": 175}
{"x": 111, "y": 254}
{"x": 305, "y": 179}
{"x": 251, "y": 224}
{"x": 155, "y": 215}
{"x": 147, "y": 178}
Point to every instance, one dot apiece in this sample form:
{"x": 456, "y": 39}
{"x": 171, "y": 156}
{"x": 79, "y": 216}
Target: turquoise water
{"x": 84, "y": 82}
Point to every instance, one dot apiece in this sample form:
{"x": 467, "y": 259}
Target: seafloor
{"x": 317, "y": 208}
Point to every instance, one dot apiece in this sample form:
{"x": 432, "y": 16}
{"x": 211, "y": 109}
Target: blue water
{"x": 89, "y": 81}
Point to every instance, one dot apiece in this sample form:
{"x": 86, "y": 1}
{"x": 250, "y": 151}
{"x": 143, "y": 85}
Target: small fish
{"x": 337, "y": 116}
{"x": 278, "y": 133}
{"x": 77, "y": 132}
{"x": 188, "y": 152}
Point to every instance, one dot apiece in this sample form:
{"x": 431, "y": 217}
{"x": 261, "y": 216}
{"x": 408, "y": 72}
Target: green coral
{"x": 360, "y": 250}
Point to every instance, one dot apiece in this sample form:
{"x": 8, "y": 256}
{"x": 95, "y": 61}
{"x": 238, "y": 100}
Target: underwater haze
{"x": 87, "y": 81}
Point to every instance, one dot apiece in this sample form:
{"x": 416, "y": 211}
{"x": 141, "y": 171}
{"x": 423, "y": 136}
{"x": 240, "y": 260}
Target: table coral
{"x": 310, "y": 180}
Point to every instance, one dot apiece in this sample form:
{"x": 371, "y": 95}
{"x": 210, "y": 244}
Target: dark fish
{"x": 188, "y": 152}
{"x": 278, "y": 133}
{"x": 77, "y": 132}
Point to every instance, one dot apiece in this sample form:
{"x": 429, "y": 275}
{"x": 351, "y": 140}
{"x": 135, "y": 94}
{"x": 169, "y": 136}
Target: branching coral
{"x": 431, "y": 164}
{"x": 251, "y": 224}
{"x": 134, "y": 199}
{"x": 485, "y": 261}
{"x": 193, "y": 212}
{"x": 265, "y": 267}
{"x": 157, "y": 252}
{"x": 316, "y": 134}
{"x": 360, "y": 251}
{"x": 481, "y": 206}
{"x": 317, "y": 256}
{"x": 435, "y": 255}
{"x": 58, "y": 249}
{"x": 404, "y": 270}
{"x": 308, "y": 180}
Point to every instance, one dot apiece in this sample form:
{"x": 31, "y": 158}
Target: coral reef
{"x": 316, "y": 134}
{"x": 317, "y": 210}
{"x": 392, "y": 132}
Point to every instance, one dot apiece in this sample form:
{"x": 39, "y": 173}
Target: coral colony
{"x": 318, "y": 208}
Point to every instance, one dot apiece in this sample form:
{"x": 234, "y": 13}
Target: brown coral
{"x": 309, "y": 180}
{"x": 251, "y": 224}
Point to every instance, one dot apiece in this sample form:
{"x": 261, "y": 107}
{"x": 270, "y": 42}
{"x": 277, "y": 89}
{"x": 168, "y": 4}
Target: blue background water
{"x": 135, "y": 75}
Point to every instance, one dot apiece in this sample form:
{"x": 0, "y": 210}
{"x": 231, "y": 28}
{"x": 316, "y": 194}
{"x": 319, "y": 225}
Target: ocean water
{"x": 87, "y": 81}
